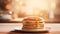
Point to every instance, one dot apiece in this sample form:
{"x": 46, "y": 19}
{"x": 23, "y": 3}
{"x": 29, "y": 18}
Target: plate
{"x": 31, "y": 31}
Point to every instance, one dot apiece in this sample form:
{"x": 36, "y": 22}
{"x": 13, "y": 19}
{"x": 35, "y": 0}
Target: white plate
{"x": 32, "y": 31}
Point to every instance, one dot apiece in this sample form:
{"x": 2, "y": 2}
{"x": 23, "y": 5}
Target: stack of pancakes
{"x": 33, "y": 23}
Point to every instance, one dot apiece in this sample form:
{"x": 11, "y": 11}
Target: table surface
{"x": 54, "y": 32}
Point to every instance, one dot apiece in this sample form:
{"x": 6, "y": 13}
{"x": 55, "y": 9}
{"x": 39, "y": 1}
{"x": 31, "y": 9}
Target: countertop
{"x": 54, "y": 32}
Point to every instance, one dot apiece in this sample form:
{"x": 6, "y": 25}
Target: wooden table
{"x": 54, "y": 32}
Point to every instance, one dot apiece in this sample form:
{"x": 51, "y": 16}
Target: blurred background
{"x": 16, "y": 10}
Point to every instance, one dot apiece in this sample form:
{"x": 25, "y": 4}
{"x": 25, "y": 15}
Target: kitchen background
{"x": 15, "y": 10}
